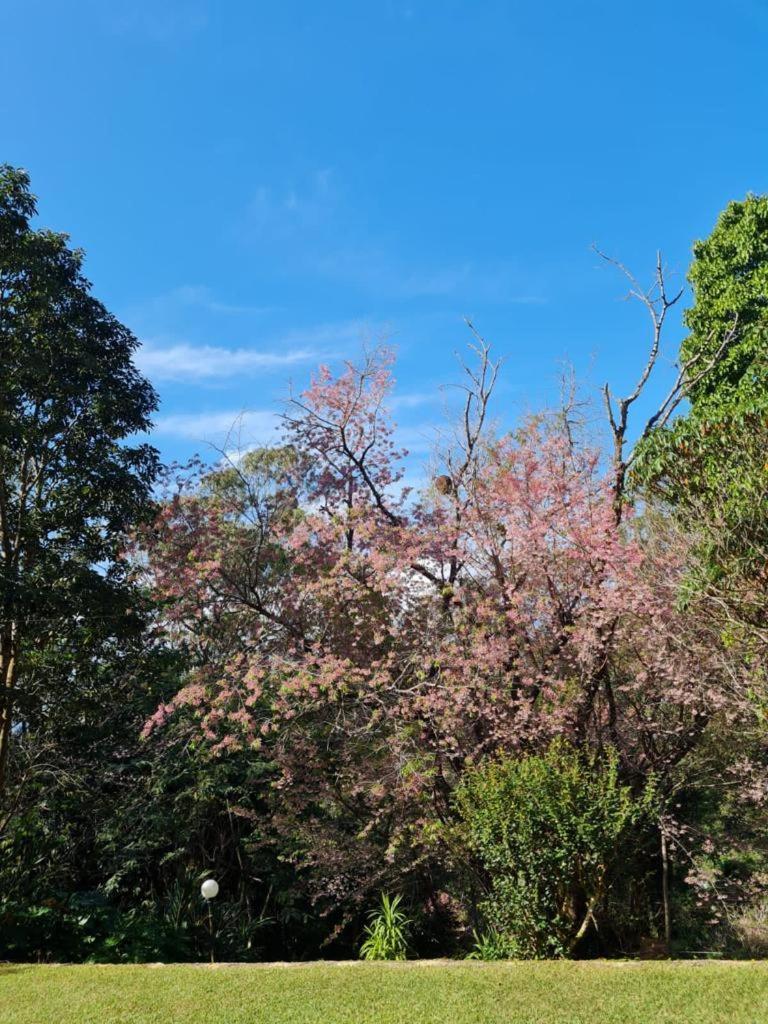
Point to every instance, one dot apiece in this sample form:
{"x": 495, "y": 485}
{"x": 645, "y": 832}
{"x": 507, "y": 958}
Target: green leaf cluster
{"x": 545, "y": 831}
{"x": 387, "y": 932}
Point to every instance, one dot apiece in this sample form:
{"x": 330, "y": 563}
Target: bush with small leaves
{"x": 545, "y": 831}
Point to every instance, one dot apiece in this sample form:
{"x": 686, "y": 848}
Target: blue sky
{"x": 262, "y": 186}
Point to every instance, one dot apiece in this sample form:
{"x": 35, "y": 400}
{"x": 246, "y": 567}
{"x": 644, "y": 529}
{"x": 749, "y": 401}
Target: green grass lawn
{"x": 418, "y": 993}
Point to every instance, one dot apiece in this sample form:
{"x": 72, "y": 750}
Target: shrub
{"x": 545, "y": 831}
{"x": 84, "y": 926}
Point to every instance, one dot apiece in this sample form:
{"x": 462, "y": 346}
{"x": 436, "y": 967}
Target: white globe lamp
{"x": 209, "y": 889}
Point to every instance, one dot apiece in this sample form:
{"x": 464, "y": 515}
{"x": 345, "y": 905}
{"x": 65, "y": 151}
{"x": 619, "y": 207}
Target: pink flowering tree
{"x": 378, "y": 642}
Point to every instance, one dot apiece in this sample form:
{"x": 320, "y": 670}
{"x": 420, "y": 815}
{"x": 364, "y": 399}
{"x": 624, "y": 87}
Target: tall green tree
{"x": 710, "y": 464}
{"x": 71, "y": 484}
{"x": 729, "y": 277}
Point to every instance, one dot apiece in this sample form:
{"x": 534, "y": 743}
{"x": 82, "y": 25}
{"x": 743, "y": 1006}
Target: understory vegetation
{"x": 516, "y": 711}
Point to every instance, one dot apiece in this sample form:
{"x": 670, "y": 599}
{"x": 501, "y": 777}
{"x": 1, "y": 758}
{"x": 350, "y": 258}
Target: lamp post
{"x": 209, "y": 890}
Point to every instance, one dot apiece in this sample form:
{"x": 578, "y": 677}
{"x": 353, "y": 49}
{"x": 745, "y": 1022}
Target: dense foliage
{"x": 709, "y": 465}
{"x": 547, "y": 830}
{"x": 526, "y": 703}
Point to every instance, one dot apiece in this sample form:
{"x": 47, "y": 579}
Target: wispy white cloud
{"x": 228, "y": 428}
{"x": 418, "y": 439}
{"x": 184, "y": 362}
{"x": 178, "y": 360}
{"x": 281, "y": 213}
{"x": 414, "y": 399}
{"x": 374, "y": 268}
{"x": 193, "y": 296}
{"x": 317, "y": 231}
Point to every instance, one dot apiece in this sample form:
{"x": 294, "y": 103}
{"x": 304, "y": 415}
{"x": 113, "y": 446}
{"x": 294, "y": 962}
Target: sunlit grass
{"x": 414, "y": 993}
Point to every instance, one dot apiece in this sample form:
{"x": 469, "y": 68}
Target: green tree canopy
{"x": 729, "y": 276}
{"x": 70, "y": 483}
{"x": 709, "y": 465}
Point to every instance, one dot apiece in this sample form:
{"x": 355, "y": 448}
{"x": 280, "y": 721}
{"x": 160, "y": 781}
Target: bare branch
{"x": 658, "y": 303}
{"x": 682, "y": 386}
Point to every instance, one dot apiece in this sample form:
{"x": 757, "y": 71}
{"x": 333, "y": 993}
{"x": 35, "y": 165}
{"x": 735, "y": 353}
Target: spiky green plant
{"x": 387, "y": 933}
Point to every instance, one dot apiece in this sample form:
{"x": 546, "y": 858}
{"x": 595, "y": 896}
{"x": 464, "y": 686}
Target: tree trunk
{"x": 8, "y": 671}
{"x": 665, "y": 887}
{"x": 589, "y": 918}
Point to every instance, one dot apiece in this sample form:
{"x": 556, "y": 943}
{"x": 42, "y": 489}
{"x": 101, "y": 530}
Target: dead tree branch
{"x": 658, "y": 302}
